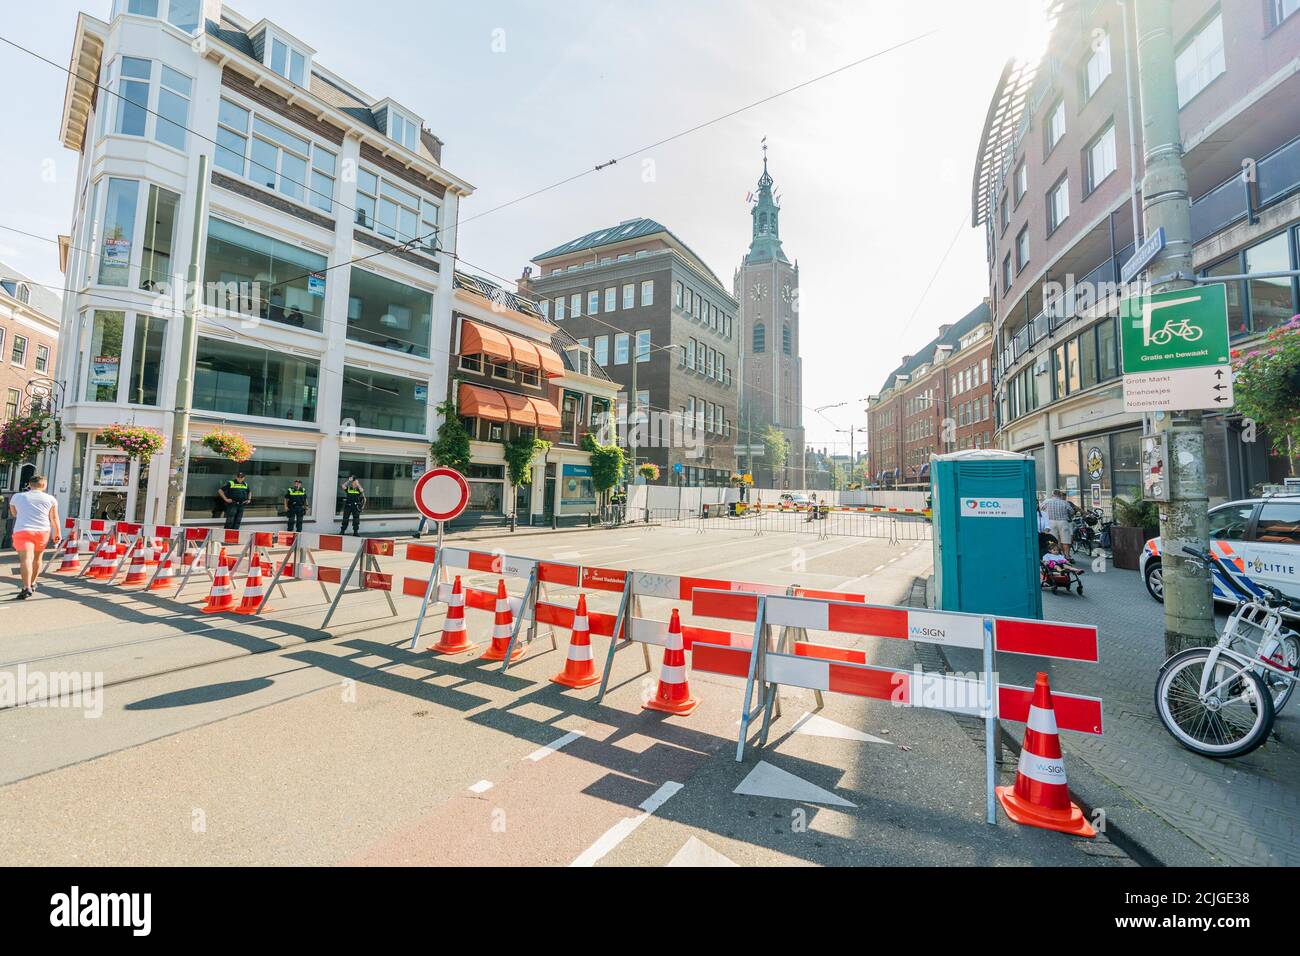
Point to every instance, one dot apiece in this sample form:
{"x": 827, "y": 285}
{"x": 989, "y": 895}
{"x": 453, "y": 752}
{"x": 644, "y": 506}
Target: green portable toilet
{"x": 985, "y": 527}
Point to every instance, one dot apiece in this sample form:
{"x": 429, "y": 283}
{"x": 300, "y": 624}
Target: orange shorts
{"x": 37, "y": 539}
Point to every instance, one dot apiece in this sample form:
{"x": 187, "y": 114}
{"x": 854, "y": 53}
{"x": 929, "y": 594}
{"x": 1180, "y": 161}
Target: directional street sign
{"x": 1175, "y": 350}
{"x": 1140, "y": 259}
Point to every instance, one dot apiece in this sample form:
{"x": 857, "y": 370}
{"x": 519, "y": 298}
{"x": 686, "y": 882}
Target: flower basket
{"x": 228, "y": 444}
{"x": 1266, "y": 379}
{"x": 649, "y": 471}
{"x": 21, "y": 439}
{"x": 136, "y": 440}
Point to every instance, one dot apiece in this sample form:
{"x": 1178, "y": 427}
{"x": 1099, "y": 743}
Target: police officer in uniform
{"x": 354, "y": 501}
{"x": 235, "y": 494}
{"x": 295, "y": 504}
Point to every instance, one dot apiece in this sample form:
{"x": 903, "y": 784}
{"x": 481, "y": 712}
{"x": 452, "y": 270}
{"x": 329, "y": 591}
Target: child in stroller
{"x": 1054, "y": 571}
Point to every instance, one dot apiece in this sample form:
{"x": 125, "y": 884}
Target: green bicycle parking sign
{"x": 1187, "y": 328}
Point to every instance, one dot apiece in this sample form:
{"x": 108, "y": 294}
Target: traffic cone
{"x": 136, "y": 572}
{"x": 166, "y": 576}
{"x": 71, "y": 557}
{"x": 222, "y": 595}
{"x": 253, "y": 589}
{"x": 579, "y": 668}
{"x": 674, "y": 693}
{"x": 223, "y": 560}
{"x": 501, "y": 630}
{"x": 454, "y": 638}
{"x": 101, "y": 565}
{"x": 1041, "y": 796}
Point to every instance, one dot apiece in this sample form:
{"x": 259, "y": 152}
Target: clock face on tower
{"x": 786, "y": 291}
{"x": 758, "y": 291}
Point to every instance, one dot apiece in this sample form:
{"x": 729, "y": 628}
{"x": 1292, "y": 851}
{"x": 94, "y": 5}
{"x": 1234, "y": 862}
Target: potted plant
{"x": 1136, "y": 520}
{"x": 137, "y": 441}
{"x": 228, "y": 444}
{"x": 21, "y": 439}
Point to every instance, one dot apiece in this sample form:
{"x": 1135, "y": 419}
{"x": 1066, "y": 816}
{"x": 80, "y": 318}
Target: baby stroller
{"x": 1053, "y": 570}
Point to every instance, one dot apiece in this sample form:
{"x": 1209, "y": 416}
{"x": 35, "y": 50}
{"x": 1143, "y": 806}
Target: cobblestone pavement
{"x": 1242, "y": 811}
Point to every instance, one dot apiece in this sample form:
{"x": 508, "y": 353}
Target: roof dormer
{"x": 398, "y": 123}
{"x": 281, "y": 52}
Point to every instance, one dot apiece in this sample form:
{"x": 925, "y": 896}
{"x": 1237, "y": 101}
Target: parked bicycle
{"x": 1091, "y": 532}
{"x": 1221, "y": 701}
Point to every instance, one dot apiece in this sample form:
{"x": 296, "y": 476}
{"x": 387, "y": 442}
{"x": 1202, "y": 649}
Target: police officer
{"x": 354, "y": 501}
{"x": 235, "y": 494}
{"x": 295, "y": 504}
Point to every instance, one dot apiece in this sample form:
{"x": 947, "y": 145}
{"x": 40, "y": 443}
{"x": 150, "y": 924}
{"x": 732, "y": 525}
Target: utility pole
{"x": 180, "y": 451}
{"x": 1184, "y": 520}
{"x": 633, "y": 407}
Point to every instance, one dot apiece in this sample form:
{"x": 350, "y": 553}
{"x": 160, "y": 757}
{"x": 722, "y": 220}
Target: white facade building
{"x": 329, "y": 366}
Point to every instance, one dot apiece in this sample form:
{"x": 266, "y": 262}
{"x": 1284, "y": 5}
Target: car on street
{"x": 794, "y": 498}
{"x": 1259, "y": 538}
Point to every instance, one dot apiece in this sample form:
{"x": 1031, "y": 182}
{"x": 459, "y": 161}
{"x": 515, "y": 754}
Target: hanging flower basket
{"x": 136, "y": 440}
{"x": 1266, "y": 380}
{"x": 21, "y": 439}
{"x": 228, "y": 444}
{"x": 649, "y": 471}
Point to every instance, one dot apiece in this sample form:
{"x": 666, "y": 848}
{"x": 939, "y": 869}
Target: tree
{"x": 520, "y": 452}
{"x": 451, "y": 448}
{"x": 1267, "y": 385}
{"x": 607, "y": 463}
{"x": 776, "y": 448}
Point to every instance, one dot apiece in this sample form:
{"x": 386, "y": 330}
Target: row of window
{"x": 18, "y": 352}
{"x": 479, "y": 364}
{"x": 1079, "y": 363}
{"x": 697, "y": 307}
{"x": 760, "y": 339}
{"x": 708, "y": 417}
{"x": 971, "y": 376}
{"x": 611, "y": 300}
{"x": 706, "y": 360}
{"x": 599, "y": 346}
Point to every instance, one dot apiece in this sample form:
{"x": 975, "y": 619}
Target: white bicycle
{"x": 1221, "y": 701}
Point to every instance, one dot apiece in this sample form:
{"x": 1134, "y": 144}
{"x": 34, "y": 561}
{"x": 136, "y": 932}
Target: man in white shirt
{"x": 35, "y": 522}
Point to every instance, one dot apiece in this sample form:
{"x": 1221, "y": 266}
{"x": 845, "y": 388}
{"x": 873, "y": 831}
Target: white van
{"x": 1258, "y": 537}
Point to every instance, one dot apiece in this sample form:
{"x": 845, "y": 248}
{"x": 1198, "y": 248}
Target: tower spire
{"x": 765, "y": 245}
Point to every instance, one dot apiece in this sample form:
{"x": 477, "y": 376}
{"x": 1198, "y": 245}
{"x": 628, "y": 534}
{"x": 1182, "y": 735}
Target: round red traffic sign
{"x": 441, "y": 494}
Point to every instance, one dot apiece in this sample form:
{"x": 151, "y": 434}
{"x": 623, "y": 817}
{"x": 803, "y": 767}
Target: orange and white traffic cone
{"x": 101, "y": 565}
{"x": 1041, "y": 796}
{"x": 166, "y": 576}
{"x": 222, "y": 595}
{"x": 454, "y": 638}
{"x": 501, "y": 630}
{"x": 579, "y": 668}
{"x": 674, "y": 693}
{"x": 71, "y": 557}
{"x": 253, "y": 589}
{"x": 137, "y": 572}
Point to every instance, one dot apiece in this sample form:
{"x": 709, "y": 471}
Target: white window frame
{"x": 575, "y": 305}
{"x": 593, "y": 302}
{"x": 643, "y": 356}
{"x": 321, "y": 161}
{"x": 296, "y": 71}
{"x": 1106, "y": 140}
{"x": 611, "y": 298}
{"x": 113, "y": 108}
{"x": 1097, "y": 67}
{"x": 647, "y": 292}
{"x": 559, "y": 308}
{"x": 403, "y": 129}
{"x": 629, "y": 295}
{"x": 1058, "y": 204}
{"x": 424, "y": 212}
{"x": 1056, "y": 124}
{"x": 1200, "y": 60}
{"x": 622, "y": 347}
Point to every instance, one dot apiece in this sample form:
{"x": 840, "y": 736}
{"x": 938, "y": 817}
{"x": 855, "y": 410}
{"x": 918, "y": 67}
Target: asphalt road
{"x": 221, "y": 740}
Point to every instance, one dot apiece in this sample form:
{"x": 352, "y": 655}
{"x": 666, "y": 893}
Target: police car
{"x": 1258, "y": 538}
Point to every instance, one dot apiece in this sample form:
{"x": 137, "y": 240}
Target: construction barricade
{"x": 766, "y": 664}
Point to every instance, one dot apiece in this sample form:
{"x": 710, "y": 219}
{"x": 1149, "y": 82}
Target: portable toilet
{"x": 985, "y": 531}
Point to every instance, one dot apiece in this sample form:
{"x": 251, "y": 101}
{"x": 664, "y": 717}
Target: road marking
{"x": 695, "y": 852}
{"x": 553, "y": 746}
{"x": 483, "y": 786}
{"x": 766, "y": 780}
{"x": 566, "y": 555}
{"x": 624, "y": 828}
{"x": 815, "y": 725}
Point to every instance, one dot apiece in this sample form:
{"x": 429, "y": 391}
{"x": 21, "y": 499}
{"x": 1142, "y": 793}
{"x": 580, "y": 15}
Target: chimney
{"x": 906, "y": 359}
{"x": 944, "y": 330}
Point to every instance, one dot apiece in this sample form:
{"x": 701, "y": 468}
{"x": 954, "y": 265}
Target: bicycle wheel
{"x": 1230, "y": 723}
{"x": 1287, "y": 656}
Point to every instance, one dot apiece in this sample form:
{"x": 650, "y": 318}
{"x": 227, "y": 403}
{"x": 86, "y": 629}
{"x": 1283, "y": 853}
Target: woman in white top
{"x": 36, "y": 522}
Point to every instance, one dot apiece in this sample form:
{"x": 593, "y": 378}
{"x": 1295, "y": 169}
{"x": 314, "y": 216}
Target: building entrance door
{"x": 111, "y": 489}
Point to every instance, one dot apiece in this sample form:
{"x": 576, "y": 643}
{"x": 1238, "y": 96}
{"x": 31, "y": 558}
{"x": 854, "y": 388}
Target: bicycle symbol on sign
{"x": 1182, "y": 328}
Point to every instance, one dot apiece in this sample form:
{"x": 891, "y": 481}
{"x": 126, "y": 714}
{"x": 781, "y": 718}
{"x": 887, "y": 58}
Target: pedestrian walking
{"x": 236, "y": 495}
{"x": 295, "y": 504}
{"x": 35, "y": 522}
{"x": 354, "y": 502}
{"x": 1059, "y": 512}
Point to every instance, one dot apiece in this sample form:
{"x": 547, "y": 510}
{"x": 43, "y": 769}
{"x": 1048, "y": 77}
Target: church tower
{"x": 767, "y": 287}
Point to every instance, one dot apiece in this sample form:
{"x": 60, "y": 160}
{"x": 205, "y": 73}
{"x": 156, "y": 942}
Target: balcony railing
{"x": 1276, "y": 175}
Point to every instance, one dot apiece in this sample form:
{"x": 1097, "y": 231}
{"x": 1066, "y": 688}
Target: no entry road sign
{"x": 1175, "y": 350}
{"x": 441, "y": 494}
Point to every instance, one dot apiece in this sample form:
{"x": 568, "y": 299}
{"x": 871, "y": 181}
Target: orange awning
{"x": 521, "y": 408}
{"x": 552, "y": 364}
{"x": 475, "y": 401}
{"x": 525, "y": 352}
{"x": 478, "y": 339}
{"x": 548, "y": 416}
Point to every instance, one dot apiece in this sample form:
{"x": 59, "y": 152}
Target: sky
{"x": 873, "y": 164}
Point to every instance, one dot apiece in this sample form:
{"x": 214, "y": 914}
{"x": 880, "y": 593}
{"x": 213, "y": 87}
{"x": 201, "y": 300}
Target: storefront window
{"x": 1067, "y": 471}
{"x": 1040, "y": 469}
{"x": 1236, "y": 295}
{"x": 243, "y": 380}
{"x": 146, "y": 360}
{"x": 389, "y": 314}
{"x": 105, "y": 356}
{"x": 1270, "y": 299}
{"x": 577, "y": 493}
{"x": 384, "y": 402}
{"x": 256, "y": 275}
{"x": 486, "y": 488}
{"x": 389, "y": 482}
{"x": 78, "y": 474}
{"x": 269, "y": 472}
